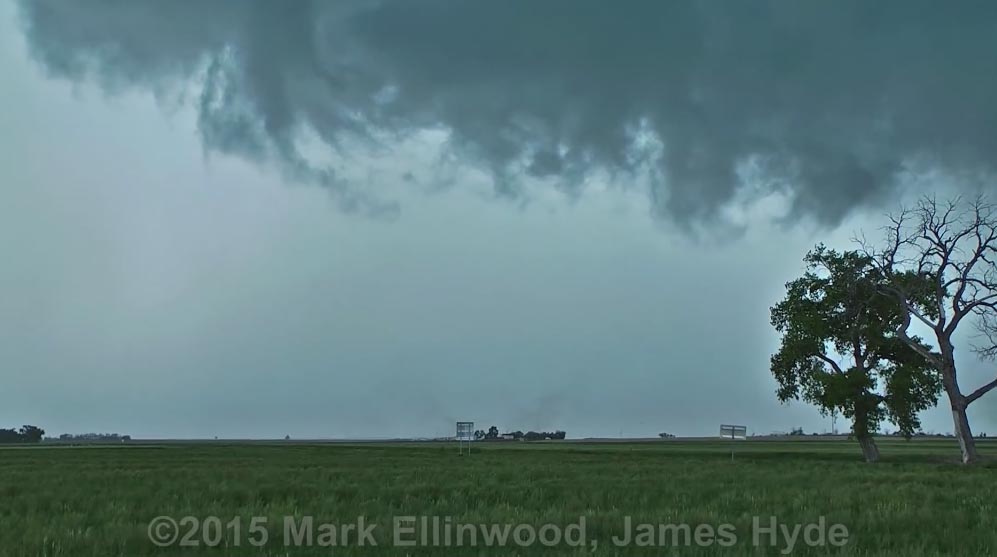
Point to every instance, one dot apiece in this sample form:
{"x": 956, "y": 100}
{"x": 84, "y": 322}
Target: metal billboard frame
{"x": 465, "y": 435}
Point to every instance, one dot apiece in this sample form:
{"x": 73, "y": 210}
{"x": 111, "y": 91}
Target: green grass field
{"x": 79, "y": 501}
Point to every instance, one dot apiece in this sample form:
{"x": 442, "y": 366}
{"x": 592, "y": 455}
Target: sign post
{"x": 465, "y": 435}
{"x": 734, "y": 433}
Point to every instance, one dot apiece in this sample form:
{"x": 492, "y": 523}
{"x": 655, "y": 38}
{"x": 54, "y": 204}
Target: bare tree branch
{"x": 834, "y": 365}
{"x": 932, "y": 358}
{"x": 981, "y": 391}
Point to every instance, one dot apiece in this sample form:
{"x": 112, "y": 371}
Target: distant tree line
{"x": 493, "y": 435}
{"x": 26, "y": 434}
{"x": 94, "y": 437}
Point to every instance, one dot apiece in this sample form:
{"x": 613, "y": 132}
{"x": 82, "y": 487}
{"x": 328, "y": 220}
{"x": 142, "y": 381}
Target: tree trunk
{"x": 869, "y": 449}
{"x": 963, "y": 433}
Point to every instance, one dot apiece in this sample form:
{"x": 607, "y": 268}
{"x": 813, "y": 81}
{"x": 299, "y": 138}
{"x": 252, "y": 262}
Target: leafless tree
{"x": 945, "y": 252}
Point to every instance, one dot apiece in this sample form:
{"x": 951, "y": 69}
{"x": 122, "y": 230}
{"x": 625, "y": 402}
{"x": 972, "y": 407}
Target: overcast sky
{"x": 244, "y": 219}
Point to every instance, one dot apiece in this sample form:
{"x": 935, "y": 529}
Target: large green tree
{"x": 840, "y": 349}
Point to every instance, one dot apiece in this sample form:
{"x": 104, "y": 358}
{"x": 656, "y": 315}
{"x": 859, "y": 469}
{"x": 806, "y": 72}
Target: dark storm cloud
{"x": 830, "y": 102}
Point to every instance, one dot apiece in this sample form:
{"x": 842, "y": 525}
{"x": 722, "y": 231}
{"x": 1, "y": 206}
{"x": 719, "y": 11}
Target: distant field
{"x": 99, "y": 501}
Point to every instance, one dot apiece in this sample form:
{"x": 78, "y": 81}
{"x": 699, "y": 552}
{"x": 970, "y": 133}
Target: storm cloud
{"x": 833, "y": 105}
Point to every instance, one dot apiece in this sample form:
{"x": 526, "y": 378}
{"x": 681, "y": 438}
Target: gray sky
{"x": 273, "y": 218}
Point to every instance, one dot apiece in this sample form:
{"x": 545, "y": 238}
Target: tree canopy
{"x": 26, "y": 434}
